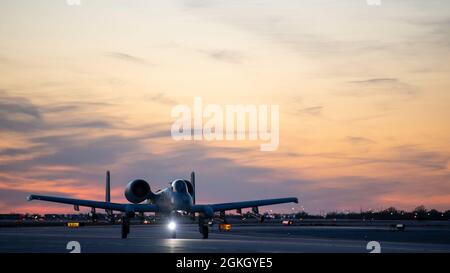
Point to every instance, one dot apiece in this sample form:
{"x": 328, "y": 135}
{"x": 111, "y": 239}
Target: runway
{"x": 242, "y": 239}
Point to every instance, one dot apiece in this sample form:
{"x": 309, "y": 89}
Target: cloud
{"x": 313, "y": 111}
{"x": 163, "y": 99}
{"x": 412, "y": 158}
{"x": 359, "y": 140}
{"x": 376, "y": 81}
{"x": 72, "y": 106}
{"x": 382, "y": 86}
{"x": 18, "y": 113}
{"x": 230, "y": 56}
{"x": 438, "y": 29}
{"x": 126, "y": 57}
{"x": 62, "y": 108}
{"x": 11, "y": 199}
{"x": 93, "y": 124}
{"x": 10, "y": 105}
{"x": 83, "y": 152}
{"x": 417, "y": 155}
{"x": 13, "y": 152}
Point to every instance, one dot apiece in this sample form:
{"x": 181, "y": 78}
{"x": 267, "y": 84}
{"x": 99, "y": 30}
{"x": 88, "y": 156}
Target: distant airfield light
{"x": 172, "y": 225}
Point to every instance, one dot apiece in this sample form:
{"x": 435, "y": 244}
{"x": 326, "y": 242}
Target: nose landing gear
{"x": 173, "y": 229}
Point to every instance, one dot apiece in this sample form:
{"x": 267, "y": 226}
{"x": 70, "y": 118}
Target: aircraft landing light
{"x": 172, "y": 225}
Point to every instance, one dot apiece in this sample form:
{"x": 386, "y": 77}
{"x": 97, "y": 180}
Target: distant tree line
{"x": 391, "y": 213}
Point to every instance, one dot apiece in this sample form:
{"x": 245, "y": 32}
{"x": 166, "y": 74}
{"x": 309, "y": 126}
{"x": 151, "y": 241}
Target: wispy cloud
{"x": 382, "y": 86}
{"x": 312, "y": 111}
{"x": 359, "y": 140}
{"x": 376, "y": 81}
{"x": 127, "y": 57}
{"x": 438, "y": 28}
{"x": 162, "y": 98}
{"x": 17, "y": 105}
{"x": 71, "y": 106}
{"x": 18, "y": 113}
{"x": 225, "y": 55}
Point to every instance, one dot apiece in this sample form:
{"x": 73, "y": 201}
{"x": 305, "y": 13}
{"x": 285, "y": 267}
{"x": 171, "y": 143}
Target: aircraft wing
{"x": 250, "y": 204}
{"x": 246, "y": 204}
{"x": 97, "y": 204}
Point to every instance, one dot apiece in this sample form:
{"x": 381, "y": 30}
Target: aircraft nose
{"x": 182, "y": 201}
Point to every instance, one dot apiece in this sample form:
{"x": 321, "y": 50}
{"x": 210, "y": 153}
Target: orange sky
{"x": 363, "y": 94}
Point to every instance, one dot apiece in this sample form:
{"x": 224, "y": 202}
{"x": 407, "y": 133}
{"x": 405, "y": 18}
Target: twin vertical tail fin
{"x": 193, "y": 186}
{"x": 108, "y": 192}
{"x": 193, "y": 193}
{"x": 108, "y": 187}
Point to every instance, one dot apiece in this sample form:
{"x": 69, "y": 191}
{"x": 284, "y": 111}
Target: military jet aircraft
{"x": 168, "y": 202}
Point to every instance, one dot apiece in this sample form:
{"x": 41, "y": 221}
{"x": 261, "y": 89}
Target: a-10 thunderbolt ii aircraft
{"x": 168, "y": 202}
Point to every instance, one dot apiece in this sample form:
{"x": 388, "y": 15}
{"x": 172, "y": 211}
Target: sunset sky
{"x": 364, "y": 96}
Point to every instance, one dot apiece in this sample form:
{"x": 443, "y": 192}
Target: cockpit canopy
{"x": 179, "y": 186}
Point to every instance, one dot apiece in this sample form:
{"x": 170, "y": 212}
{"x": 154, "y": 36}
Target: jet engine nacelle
{"x": 190, "y": 187}
{"x": 137, "y": 191}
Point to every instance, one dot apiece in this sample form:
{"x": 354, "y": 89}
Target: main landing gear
{"x": 203, "y": 227}
{"x": 125, "y": 226}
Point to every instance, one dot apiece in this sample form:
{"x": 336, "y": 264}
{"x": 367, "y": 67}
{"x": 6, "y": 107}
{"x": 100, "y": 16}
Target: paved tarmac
{"x": 242, "y": 239}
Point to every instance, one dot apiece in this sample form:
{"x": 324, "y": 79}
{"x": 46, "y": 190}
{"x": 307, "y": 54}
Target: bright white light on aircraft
{"x": 172, "y": 225}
